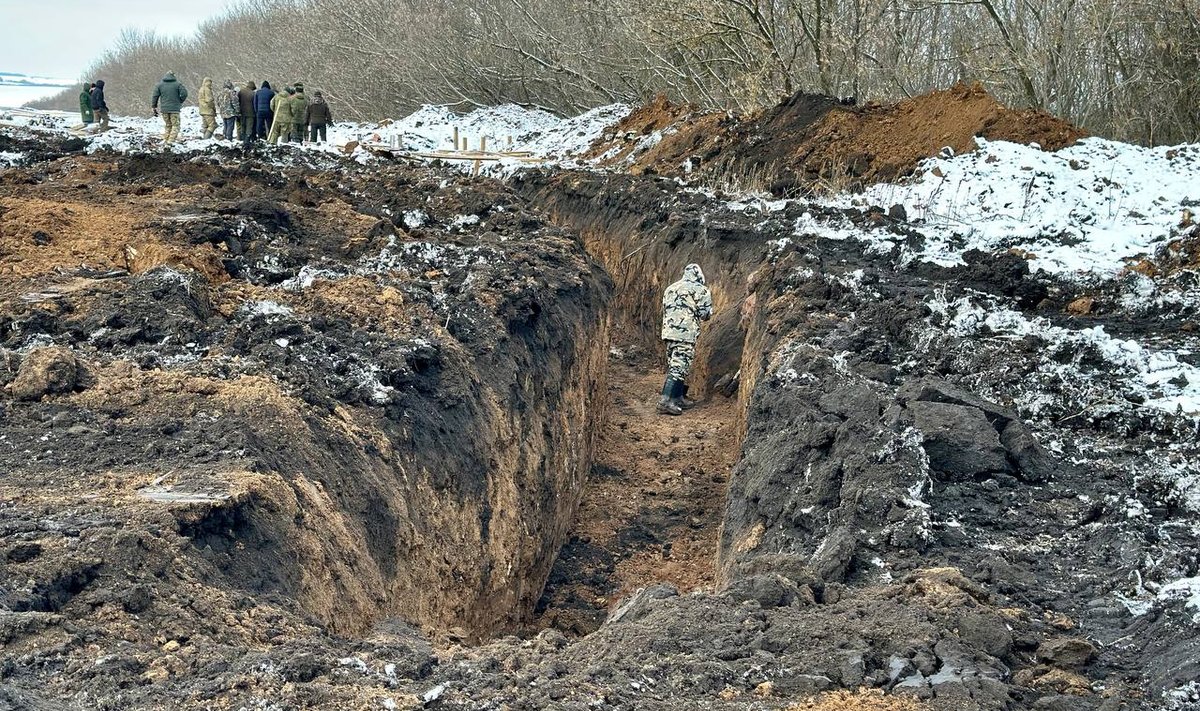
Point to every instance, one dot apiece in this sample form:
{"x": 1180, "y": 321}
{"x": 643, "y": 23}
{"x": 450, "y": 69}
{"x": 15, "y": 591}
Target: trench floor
{"x": 654, "y": 501}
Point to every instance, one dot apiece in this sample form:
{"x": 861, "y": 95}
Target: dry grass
{"x": 861, "y": 700}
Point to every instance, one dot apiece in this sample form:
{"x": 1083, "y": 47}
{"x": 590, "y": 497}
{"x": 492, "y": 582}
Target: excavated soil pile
{"x": 811, "y": 141}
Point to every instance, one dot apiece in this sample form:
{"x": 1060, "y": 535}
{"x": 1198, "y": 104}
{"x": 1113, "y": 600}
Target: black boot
{"x": 681, "y": 398}
{"x": 666, "y": 404}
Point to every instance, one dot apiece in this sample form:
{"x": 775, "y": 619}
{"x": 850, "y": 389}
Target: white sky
{"x": 59, "y": 38}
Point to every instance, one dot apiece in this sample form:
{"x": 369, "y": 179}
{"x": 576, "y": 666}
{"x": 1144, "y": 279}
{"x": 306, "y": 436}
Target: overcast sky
{"x": 59, "y": 38}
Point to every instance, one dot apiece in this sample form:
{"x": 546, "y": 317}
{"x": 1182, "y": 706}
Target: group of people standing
{"x": 250, "y": 112}
{"x": 258, "y": 113}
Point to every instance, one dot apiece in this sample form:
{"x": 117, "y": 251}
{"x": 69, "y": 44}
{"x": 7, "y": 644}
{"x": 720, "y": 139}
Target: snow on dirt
{"x": 1159, "y": 379}
{"x": 1083, "y": 211}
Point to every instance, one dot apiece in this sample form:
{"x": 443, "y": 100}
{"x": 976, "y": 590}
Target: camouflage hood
{"x": 693, "y": 273}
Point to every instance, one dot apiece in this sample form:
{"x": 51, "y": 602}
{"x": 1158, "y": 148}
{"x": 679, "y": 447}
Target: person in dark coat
{"x": 318, "y": 117}
{"x": 85, "y": 104}
{"x": 262, "y": 110}
{"x": 246, "y": 112}
{"x": 170, "y": 94}
{"x": 99, "y": 106}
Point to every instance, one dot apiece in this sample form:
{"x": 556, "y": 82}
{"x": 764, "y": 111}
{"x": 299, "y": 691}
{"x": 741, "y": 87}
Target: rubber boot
{"x": 666, "y": 403}
{"x": 682, "y": 399}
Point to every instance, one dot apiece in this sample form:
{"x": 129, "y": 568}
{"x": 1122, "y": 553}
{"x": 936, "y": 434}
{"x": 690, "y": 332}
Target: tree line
{"x": 1126, "y": 69}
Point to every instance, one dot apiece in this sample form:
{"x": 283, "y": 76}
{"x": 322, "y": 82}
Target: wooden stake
{"x": 456, "y": 137}
{"x": 482, "y": 144}
{"x": 464, "y": 143}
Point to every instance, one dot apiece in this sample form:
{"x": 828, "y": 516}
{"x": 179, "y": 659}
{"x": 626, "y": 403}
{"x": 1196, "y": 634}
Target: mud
{"x": 312, "y": 436}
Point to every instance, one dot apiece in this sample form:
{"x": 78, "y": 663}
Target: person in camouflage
{"x": 686, "y": 303}
{"x": 208, "y": 108}
{"x": 231, "y": 108}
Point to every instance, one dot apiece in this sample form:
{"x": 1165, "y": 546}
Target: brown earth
{"x": 858, "y": 701}
{"x": 812, "y": 142}
{"x": 652, "y": 508}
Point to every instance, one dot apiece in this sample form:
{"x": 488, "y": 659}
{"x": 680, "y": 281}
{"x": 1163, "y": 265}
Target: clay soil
{"x": 653, "y": 505}
{"x": 811, "y": 142}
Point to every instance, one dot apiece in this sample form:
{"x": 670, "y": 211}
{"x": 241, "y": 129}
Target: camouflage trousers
{"x": 170, "y": 127}
{"x": 208, "y": 124}
{"x": 680, "y": 355}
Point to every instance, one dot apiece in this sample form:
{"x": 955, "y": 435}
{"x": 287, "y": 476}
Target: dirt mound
{"x": 884, "y": 142}
{"x": 260, "y": 351}
{"x": 811, "y": 141}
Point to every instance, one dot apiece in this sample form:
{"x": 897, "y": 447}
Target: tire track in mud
{"x": 653, "y": 504}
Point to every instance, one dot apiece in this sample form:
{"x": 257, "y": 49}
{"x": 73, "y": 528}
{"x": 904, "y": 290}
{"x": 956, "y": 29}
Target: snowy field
{"x": 15, "y": 91}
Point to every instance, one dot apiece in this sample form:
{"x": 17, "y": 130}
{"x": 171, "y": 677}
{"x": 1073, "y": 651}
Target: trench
{"x": 652, "y": 507}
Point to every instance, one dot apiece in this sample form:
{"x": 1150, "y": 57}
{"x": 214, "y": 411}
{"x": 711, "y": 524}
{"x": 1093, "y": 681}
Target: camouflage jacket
{"x": 686, "y": 303}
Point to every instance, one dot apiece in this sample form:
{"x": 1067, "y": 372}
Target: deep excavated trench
{"x": 652, "y": 509}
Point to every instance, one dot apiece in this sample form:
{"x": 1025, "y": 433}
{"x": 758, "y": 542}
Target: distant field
{"x": 16, "y": 96}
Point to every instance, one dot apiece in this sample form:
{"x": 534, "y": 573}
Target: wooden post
{"x": 464, "y": 143}
{"x": 456, "y": 138}
{"x": 510, "y": 143}
{"x": 483, "y": 144}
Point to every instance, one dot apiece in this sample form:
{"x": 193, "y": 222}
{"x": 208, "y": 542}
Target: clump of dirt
{"x": 867, "y": 700}
{"x": 810, "y": 141}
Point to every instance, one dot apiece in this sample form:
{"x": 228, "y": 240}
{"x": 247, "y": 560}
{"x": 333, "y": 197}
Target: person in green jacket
{"x": 85, "y": 104}
{"x": 171, "y": 94}
{"x": 299, "y": 114}
{"x": 281, "y": 127}
{"x": 208, "y": 108}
